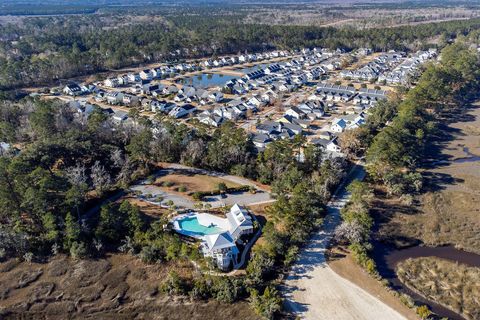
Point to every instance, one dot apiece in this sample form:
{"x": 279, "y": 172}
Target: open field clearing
{"x": 453, "y": 285}
{"x": 192, "y": 182}
{"x": 119, "y": 286}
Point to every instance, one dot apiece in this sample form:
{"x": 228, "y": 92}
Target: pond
{"x": 387, "y": 258}
{"x": 206, "y": 80}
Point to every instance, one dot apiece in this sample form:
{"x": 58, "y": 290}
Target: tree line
{"x": 43, "y": 50}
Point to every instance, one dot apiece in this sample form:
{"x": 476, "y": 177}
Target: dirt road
{"x": 313, "y": 290}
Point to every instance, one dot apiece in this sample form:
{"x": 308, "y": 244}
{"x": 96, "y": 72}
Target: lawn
{"x": 453, "y": 285}
{"x": 188, "y": 184}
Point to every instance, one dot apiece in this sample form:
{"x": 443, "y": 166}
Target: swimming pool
{"x": 191, "y": 226}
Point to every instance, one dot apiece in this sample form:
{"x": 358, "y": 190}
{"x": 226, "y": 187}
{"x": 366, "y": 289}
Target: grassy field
{"x": 188, "y": 184}
{"x": 448, "y": 213}
{"x": 118, "y": 286}
{"x": 453, "y": 285}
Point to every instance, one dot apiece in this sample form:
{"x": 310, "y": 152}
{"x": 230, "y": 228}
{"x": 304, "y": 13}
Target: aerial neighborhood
{"x": 273, "y": 95}
{"x": 239, "y": 159}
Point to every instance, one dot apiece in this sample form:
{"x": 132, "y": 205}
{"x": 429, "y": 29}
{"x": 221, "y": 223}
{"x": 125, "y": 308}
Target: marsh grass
{"x": 455, "y": 286}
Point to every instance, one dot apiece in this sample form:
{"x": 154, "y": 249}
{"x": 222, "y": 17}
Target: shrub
{"x": 168, "y": 184}
{"x": 423, "y": 312}
{"x": 201, "y": 289}
{"x": 226, "y": 290}
{"x": 222, "y": 187}
{"x": 150, "y": 254}
{"x": 267, "y": 304}
{"x": 28, "y": 257}
{"x": 291, "y": 255}
{"x": 78, "y": 250}
{"x": 199, "y": 195}
{"x": 407, "y": 300}
{"x": 259, "y": 268}
{"x": 173, "y": 285}
{"x": 360, "y": 255}
{"x": 182, "y": 189}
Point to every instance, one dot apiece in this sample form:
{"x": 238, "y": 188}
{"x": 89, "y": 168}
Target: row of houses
{"x": 372, "y": 70}
{"x": 244, "y": 58}
{"x": 147, "y": 75}
{"x": 408, "y": 68}
{"x": 236, "y": 109}
{"x": 278, "y": 77}
{"x": 74, "y": 89}
{"x": 337, "y": 93}
{"x": 170, "y": 71}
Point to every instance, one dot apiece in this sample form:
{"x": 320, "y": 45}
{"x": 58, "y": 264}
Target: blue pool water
{"x": 207, "y": 80}
{"x": 192, "y": 226}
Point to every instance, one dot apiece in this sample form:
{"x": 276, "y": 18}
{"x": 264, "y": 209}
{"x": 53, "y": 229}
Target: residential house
{"x": 295, "y": 113}
{"x": 170, "y": 90}
{"x": 338, "y": 125}
{"x": 260, "y": 140}
{"x": 120, "y": 116}
{"x": 328, "y": 145}
{"x": 146, "y": 74}
{"x": 72, "y": 89}
{"x": 111, "y": 83}
{"x": 182, "y": 111}
{"x": 114, "y": 97}
{"x": 215, "y": 96}
{"x": 133, "y": 77}
{"x": 210, "y": 118}
{"x": 130, "y": 100}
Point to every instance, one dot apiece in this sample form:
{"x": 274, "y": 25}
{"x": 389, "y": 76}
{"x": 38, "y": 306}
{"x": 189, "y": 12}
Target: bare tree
{"x": 350, "y": 231}
{"x": 194, "y": 152}
{"x": 125, "y": 173}
{"x": 76, "y": 175}
{"x": 100, "y": 177}
{"x": 78, "y": 179}
{"x": 117, "y": 158}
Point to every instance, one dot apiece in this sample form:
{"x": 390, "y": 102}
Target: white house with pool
{"x": 219, "y": 236}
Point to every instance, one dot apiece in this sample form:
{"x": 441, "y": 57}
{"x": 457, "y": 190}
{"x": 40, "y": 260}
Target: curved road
{"x": 314, "y": 291}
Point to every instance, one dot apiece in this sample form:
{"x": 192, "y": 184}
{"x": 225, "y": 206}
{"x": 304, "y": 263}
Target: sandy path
{"x": 313, "y": 290}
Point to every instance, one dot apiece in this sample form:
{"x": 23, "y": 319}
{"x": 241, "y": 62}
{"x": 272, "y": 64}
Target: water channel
{"x": 387, "y": 258}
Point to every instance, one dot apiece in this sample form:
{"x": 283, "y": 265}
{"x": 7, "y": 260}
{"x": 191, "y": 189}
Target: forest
{"x": 44, "y": 50}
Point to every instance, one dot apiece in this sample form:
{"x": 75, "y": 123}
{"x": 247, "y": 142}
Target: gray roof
{"x": 219, "y": 241}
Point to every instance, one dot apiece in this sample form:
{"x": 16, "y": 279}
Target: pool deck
{"x": 204, "y": 219}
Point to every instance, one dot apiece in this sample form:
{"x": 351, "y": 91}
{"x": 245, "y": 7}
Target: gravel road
{"x": 312, "y": 290}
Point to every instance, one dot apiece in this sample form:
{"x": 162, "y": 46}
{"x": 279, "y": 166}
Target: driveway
{"x": 242, "y": 198}
{"x": 314, "y": 291}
